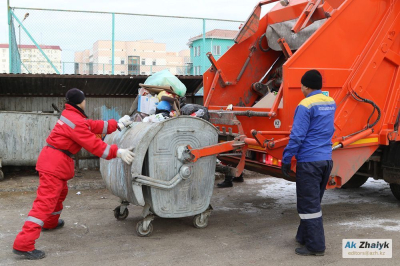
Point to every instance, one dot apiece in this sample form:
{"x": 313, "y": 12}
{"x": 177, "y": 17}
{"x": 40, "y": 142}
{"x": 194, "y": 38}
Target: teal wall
{"x": 202, "y": 60}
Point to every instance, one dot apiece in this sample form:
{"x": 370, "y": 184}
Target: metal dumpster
{"x": 159, "y": 178}
{"x": 23, "y": 135}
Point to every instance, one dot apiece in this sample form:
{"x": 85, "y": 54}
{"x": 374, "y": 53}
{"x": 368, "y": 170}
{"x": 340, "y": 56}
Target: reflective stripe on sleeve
{"x": 35, "y": 220}
{"x": 306, "y": 216}
{"x": 106, "y": 152}
{"x": 67, "y": 121}
{"x": 56, "y": 213}
{"x": 105, "y": 127}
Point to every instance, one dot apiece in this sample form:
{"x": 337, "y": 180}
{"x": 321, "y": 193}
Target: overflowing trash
{"x": 165, "y": 78}
{"x": 162, "y": 96}
{"x": 195, "y": 110}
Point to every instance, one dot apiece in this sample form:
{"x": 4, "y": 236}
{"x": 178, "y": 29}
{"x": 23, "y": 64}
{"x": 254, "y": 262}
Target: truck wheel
{"x": 356, "y": 181}
{"x": 1, "y": 175}
{"x": 395, "y": 188}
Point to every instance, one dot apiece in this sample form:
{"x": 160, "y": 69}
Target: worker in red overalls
{"x": 55, "y": 166}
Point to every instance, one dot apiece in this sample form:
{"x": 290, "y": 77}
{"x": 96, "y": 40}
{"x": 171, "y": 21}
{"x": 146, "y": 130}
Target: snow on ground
{"x": 280, "y": 195}
{"x": 284, "y": 192}
{"x": 386, "y": 224}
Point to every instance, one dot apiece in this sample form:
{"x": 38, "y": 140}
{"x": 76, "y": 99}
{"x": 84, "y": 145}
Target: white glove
{"x": 124, "y": 121}
{"x": 126, "y": 155}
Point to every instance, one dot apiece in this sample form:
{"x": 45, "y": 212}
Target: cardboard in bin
{"x": 157, "y": 89}
{"x": 147, "y": 104}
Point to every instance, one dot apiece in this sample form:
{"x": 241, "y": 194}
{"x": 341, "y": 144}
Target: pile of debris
{"x": 162, "y": 96}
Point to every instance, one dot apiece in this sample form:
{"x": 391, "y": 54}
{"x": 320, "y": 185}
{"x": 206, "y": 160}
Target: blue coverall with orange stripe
{"x": 55, "y": 166}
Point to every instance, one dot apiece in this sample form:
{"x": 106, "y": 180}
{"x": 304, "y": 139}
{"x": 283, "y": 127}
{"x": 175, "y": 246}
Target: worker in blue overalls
{"x": 311, "y": 143}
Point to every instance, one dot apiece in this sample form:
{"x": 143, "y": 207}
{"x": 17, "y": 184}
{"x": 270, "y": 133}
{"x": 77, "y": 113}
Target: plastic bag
{"x": 165, "y": 78}
{"x": 189, "y": 109}
{"x": 154, "y": 118}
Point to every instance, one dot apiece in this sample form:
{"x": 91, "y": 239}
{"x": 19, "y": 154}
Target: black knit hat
{"x": 75, "y": 96}
{"x": 312, "y": 79}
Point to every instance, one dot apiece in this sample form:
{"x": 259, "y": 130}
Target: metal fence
{"x": 83, "y": 42}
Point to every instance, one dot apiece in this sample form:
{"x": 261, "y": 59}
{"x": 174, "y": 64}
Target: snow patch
{"x": 248, "y": 208}
{"x": 386, "y": 224}
{"x": 284, "y": 193}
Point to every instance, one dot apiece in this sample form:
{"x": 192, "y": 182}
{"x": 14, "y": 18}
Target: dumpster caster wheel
{"x": 200, "y": 222}
{"x": 140, "y": 230}
{"x": 120, "y": 216}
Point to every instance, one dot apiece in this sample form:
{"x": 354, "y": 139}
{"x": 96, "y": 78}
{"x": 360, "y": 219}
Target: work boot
{"x": 31, "y": 255}
{"x": 227, "y": 182}
{"x": 59, "y": 225}
{"x": 238, "y": 179}
{"x": 303, "y": 251}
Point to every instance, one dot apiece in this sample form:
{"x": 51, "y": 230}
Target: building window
{"x": 197, "y": 51}
{"x": 154, "y": 62}
{"x": 122, "y": 72}
{"x": 217, "y": 50}
{"x": 133, "y": 65}
{"x": 143, "y": 62}
{"x": 143, "y": 73}
{"x": 122, "y": 61}
{"x": 197, "y": 70}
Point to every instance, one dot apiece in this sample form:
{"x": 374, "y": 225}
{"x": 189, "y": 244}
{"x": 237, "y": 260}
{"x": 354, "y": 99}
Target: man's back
{"x": 317, "y": 144}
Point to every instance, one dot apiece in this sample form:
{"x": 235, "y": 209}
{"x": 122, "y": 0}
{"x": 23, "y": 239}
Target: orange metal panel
{"x": 357, "y": 50}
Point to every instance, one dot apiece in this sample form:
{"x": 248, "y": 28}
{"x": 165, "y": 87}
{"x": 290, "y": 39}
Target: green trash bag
{"x": 165, "y": 78}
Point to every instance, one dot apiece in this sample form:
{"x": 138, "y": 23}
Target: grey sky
{"x": 78, "y": 31}
{"x": 224, "y": 9}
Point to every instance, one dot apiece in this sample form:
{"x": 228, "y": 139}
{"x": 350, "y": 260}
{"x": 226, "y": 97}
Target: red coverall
{"x": 71, "y": 132}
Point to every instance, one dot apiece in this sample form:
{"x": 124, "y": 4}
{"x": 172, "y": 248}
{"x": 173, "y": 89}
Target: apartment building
{"x": 32, "y": 60}
{"x": 217, "y": 42}
{"x": 142, "y": 57}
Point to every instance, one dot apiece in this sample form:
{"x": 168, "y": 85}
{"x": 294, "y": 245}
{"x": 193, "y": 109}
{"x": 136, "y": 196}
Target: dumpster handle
{"x": 184, "y": 173}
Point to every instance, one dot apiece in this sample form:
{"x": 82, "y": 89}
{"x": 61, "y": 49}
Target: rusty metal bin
{"x": 23, "y": 135}
{"x": 159, "y": 179}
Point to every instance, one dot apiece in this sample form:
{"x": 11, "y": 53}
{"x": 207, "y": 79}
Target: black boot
{"x": 59, "y": 225}
{"x": 227, "y": 182}
{"x": 303, "y": 251}
{"x": 31, "y": 255}
{"x": 238, "y": 179}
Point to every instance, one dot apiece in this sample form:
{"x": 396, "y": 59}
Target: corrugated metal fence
{"x": 96, "y": 108}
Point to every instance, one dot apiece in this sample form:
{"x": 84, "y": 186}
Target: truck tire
{"x": 356, "y": 181}
{"x": 395, "y": 188}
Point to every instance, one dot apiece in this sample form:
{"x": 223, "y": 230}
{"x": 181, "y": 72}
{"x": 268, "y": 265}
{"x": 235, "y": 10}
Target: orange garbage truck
{"x": 252, "y": 91}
